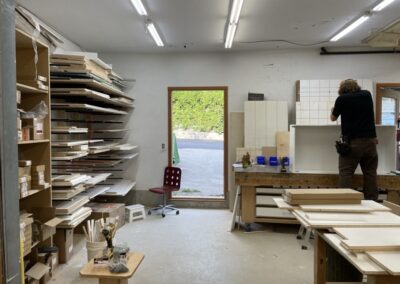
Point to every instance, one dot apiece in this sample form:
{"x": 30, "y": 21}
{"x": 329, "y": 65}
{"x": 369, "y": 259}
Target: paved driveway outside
{"x": 202, "y": 167}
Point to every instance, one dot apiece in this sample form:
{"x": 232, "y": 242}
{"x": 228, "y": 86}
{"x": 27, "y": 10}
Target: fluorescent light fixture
{"x": 382, "y": 5}
{"x": 139, "y": 7}
{"x": 230, "y": 35}
{"x": 233, "y": 22}
{"x": 350, "y": 28}
{"x": 235, "y": 11}
{"x": 154, "y": 34}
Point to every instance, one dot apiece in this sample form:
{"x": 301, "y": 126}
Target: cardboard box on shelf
{"x": 64, "y": 240}
{"x": 26, "y": 135}
{"x": 18, "y": 96}
{"x": 24, "y": 163}
{"x": 38, "y": 175}
{"x": 24, "y": 171}
{"x": 19, "y": 134}
{"x": 24, "y": 186}
{"x": 36, "y": 127}
{"x": 19, "y": 123}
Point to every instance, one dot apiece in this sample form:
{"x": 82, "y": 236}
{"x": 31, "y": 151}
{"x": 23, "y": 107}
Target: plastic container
{"x": 95, "y": 249}
{"x": 273, "y": 161}
{"x": 261, "y": 160}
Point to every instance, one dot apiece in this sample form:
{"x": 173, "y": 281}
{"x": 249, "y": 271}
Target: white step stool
{"x": 134, "y": 212}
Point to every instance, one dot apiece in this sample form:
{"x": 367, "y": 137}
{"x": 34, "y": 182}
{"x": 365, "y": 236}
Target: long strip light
{"x": 230, "y": 34}
{"x": 154, "y": 34}
{"x": 139, "y": 7}
{"x": 350, "y": 28}
{"x": 382, "y": 5}
{"x": 233, "y": 22}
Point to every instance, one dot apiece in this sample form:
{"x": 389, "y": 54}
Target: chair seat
{"x": 163, "y": 189}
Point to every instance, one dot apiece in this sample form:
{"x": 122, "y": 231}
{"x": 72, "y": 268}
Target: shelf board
{"x": 69, "y": 158}
{"x": 87, "y": 121}
{"x": 86, "y": 108}
{"x": 91, "y": 83}
{"x": 31, "y": 192}
{"x": 33, "y": 142}
{"x": 93, "y": 96}
{"x": 95, "y": 191}
{"x": 120, "y": 188}
{"x": 25, "y": 89}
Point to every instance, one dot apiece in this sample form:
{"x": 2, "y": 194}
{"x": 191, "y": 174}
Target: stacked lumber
{"x": 68, "y": 129}
{"x": 322, "y": 196}
{"x": 69, "y": 180}
{"x": 72, "y": 220}
{"x": 382, "y": 245}
{"x": 78, "y": 64}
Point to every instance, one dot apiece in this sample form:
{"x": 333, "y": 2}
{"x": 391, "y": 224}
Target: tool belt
{"x": 343, "y": 146}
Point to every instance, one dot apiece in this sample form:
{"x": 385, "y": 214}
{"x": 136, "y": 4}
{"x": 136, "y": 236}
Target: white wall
{"x": 271, "y": 72}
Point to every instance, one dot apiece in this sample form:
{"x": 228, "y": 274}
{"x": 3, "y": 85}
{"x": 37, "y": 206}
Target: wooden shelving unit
{"x": 100, "y": 106}
{"x": 36, "y": 199}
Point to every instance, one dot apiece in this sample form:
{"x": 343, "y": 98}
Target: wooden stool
{"x": 106, "y": 277}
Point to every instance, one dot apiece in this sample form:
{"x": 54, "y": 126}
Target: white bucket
{"x": 95, "y": 249}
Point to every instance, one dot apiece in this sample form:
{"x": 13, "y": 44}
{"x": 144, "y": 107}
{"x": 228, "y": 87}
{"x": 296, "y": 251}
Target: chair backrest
{"x": 172, "y": 177}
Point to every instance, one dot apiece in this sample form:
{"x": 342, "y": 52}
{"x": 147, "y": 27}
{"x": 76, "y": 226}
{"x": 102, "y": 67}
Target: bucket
{"x": 95, "y": 249}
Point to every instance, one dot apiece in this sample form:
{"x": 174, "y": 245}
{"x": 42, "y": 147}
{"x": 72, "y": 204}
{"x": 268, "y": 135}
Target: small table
{"x": 106, "y": 277}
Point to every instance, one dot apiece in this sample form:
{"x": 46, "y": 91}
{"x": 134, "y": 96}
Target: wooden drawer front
{"x": 269, "y": 190}
{"x": 265, "y": 200}
{"x": 273, "y": 213}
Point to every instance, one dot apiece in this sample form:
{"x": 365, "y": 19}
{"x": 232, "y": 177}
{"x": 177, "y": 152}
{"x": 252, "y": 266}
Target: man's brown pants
{"x": 363, "y": 152}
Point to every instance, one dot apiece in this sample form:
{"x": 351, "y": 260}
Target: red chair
{"x": 172, "y": 182}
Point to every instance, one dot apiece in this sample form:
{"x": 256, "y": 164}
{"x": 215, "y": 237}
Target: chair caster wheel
{"x": 298, "y": 237}
{"x": 304, "y": 247}
{"x": 163, "y": 215}
{"x": 177, "y": 212}
{"x": 149, "y": 212}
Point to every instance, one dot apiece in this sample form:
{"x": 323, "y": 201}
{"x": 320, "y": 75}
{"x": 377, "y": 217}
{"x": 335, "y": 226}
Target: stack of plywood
{"x": 322, "y": 196}
{"x": 382, "y": 245}
{"x": 78, "y": 64}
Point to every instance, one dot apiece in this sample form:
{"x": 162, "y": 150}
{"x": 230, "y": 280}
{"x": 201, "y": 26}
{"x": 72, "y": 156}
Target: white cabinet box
{"x": 312, "y": 148}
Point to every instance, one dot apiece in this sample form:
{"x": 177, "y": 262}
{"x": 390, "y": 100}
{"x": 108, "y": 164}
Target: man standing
{"x": 356, "y": 109}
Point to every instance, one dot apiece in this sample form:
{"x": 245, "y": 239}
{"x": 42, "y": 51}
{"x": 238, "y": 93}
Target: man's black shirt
{"x": 357, "y": 111}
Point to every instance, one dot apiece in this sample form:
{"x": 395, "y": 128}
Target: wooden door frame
{"x": 378, "y": 99}
{"x": 207, "y": 88}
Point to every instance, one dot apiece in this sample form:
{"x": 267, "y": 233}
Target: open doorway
{"x": 388, "y": 109}
{"x": 198, "y": 140}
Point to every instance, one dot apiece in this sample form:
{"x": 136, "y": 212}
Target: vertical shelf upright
{"x": 32, "y": 62}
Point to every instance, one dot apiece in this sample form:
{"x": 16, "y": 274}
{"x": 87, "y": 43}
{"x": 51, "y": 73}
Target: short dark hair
{"x": 349, "y": 86}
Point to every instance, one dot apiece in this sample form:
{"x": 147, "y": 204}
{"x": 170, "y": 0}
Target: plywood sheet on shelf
{"x": 86, "y": 107}
{"x": 67, "y": 207}
{"x": 365, "y": 206}
{"x": 360, "y": 260}
{"x": 120, "y": 188}
{"x": 389, "y": 260}
{"x": 330, "y": 220}
{"x": 69, "y": 180}
{"x": 323, "y": 193}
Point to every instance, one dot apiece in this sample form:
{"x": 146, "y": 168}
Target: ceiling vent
{"x": 387, "y": 37}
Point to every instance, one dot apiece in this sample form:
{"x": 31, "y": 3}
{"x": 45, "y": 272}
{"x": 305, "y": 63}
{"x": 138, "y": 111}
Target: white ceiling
{"x": 114, "y": 25}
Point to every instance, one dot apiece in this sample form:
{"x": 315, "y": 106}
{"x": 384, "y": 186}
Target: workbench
{"x": 248, "y": 179}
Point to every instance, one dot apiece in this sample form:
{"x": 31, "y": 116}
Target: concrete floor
{"x": 196, "y": 247}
